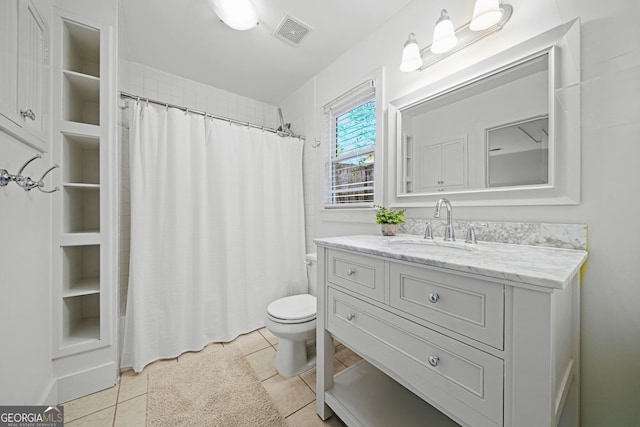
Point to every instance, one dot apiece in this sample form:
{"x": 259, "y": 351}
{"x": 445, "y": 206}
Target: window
{"x": 351, "y": 132}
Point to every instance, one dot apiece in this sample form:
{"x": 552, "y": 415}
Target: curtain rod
{"x": 204, "y": 113}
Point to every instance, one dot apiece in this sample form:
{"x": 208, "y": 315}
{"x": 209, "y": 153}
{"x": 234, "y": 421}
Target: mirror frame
{"x": 562, "y": 45}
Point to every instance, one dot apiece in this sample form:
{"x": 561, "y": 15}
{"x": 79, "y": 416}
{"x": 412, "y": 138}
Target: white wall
{"x": 26, "y": 375}
{"x": 610, "y": 152}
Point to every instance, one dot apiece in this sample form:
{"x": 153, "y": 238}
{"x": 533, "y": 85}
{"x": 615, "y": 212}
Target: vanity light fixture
{"x": 485, "y": 14}
{"x": 489, "y": 16}
{"x": 411, "y": 57}
{"x": 444, "y": 36}
{"x": 237, "y": 14}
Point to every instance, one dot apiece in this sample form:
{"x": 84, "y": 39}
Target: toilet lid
{"x": 297, "y": 307}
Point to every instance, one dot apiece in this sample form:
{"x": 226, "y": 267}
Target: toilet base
{"x": 292, "y": 358}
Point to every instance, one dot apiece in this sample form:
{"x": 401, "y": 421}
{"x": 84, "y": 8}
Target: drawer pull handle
{"x": 350, "y": 316}
{"x": 434, "y": 297}
{"x": 433, "y": 360}
{"x": 351, "y": 272}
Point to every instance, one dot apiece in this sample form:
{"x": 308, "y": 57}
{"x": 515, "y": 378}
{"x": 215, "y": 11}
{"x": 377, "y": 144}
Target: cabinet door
{"x": 31, "y": 71}
{"x": 431, "y": 167}
{"x": 453, "y": 163}
{"x": 9, "y": 59}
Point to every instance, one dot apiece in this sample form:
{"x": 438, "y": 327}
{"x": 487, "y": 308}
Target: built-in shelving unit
{"x": 81, "y": 184}
{"x": 407, "y": 165}
{"x": 85, "y": 209}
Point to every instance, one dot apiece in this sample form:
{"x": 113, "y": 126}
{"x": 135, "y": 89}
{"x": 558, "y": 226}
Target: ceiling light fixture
{"x": 489, "y": 16}
{"x": 237, "y": 14}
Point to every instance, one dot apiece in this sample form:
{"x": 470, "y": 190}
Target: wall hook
{"x": 40, "y": 183}
{"x": 26, "y": 182}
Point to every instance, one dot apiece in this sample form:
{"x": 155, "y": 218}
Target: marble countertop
{"x": 533, "y": 265}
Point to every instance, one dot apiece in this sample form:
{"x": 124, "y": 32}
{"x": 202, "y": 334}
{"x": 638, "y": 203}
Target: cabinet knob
{"x": 351, "y": 272}
{"x": 350, "y": 316}
{"x": 434, "y": 297}
{"x": 433, "y": 360}
{"x": 29, "y": 114}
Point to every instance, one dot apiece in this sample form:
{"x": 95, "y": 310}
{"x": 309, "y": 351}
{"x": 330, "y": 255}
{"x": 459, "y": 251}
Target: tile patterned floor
{"x": 125, "y": 404}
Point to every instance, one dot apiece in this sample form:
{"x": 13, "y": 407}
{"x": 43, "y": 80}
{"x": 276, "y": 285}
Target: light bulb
{"x": 411, "y": 57}
{"x": 444, "y": 36}
{"x": 485, "y": 14}
{"x": 237, "y": 14}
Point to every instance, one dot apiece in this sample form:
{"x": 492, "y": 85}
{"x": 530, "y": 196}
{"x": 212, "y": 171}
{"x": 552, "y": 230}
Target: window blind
{"x": 350, "y": 129}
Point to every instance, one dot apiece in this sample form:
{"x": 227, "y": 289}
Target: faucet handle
{"x": 471, "y": 233}
{"x": 428, "y": 232}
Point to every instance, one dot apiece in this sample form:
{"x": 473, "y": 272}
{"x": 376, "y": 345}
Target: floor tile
{"x": 250, "y": 343}
{"x": 309, "y": 377}
{"x": 132, "y": 385}
{"x": 307, "y": 417}
{"x": 89, "y": 404}
{"x": 346, "y": 356}
{"x": 132, "y": 413}
{"x": 288, "y": 394}
{"x": 273, "y": 340}
{"x": 263, "y": 363}
{"x": 103, "y": 418}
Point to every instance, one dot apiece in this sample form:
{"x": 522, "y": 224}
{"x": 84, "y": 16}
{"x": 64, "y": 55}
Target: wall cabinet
{"x": 443, "y": 166}
{"x": 444, "y": 348}
{"x": 85, "y": 211}
{"x": 24, "y": 72}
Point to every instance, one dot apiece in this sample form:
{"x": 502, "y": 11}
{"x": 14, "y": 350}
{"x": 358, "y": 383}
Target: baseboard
{"x": 50, "y": 394}
{"x": 86, "y": 382}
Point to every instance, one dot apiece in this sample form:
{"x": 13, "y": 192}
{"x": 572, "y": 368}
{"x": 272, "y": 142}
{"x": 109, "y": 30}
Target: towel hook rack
{"x": 25, "y": 182}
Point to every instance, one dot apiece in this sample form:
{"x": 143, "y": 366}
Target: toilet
{"x": 293, "y": 320}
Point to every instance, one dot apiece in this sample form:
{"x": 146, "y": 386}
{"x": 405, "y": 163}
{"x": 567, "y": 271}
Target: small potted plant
{"x": 389, "y": 219}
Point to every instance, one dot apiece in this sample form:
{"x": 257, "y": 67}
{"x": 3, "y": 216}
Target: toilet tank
{"x": 312, "y": 272}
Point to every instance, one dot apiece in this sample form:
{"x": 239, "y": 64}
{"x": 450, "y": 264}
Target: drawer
{"x": 462, "y": 380}
{"x": 471, "y": 307}
{"x": 360, "y": 274}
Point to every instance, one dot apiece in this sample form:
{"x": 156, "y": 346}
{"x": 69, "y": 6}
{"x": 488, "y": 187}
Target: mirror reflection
{"x": 492, "y": 132}
{"x": 518, "y": 153}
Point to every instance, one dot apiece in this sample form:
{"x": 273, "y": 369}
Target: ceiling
{"x": 185, "y": 37}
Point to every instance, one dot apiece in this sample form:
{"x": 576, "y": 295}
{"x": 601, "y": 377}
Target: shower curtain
{"x": 217, "y": 230}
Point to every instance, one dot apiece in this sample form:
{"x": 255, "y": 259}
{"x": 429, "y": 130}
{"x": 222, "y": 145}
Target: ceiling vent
{"x": 291, "y": 31}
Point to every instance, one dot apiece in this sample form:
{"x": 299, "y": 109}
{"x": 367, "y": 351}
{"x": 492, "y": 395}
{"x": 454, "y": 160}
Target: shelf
{"x": 84, "y": 286}
{"x": 81, "y": 98}
{"x": 81, "y": 318}
{"x": 80, "y": 268}
{"x": 81, "y": 52}
{"x": 84, "y": 129}
{"x": 82, "y": 331}
{"x": 81, "y": 159}
{"x": 81, "y": 185}
{"x": 87, "y": 238}
{"x": 364, "y": 396}
{"x": 81, "y": 208}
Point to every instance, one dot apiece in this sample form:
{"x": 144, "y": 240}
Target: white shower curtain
{"x": 217, "y": 230}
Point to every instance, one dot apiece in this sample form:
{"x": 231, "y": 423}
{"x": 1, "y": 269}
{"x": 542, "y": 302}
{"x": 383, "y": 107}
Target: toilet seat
{"x": 293, "y": 309}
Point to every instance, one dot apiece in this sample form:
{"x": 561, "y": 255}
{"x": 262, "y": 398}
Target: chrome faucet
{"x": 449, "y": 236}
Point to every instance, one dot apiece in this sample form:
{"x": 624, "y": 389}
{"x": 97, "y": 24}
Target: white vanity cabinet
{"x": 443, "y": 346}
{"x": 24, "y": 72}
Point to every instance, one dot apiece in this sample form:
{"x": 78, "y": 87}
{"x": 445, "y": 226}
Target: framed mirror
{"x": 504, "y": 131}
